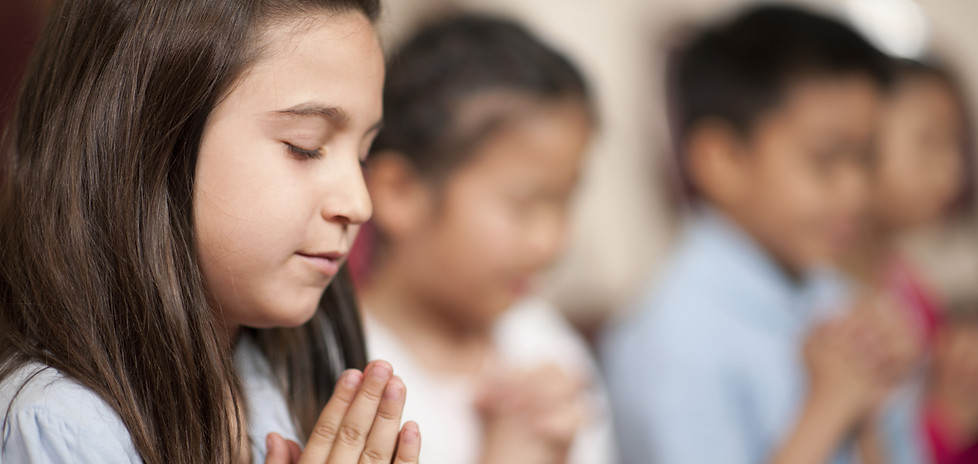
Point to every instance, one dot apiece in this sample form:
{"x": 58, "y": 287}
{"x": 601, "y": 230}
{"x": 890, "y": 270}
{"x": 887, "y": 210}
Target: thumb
{"x": 278, "y": 450}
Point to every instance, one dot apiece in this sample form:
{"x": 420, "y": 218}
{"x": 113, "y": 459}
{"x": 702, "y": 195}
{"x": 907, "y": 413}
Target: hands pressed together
{"x": 530, "y": 417}
{"x": 361, "y": 424}
{"x": 954, "y": 384}
{"x": 858, "y": 360}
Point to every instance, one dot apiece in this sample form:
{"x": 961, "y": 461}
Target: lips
{"x": 327, "y": 263}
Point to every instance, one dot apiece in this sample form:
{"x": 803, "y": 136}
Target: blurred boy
{"x": 727, "y": 360}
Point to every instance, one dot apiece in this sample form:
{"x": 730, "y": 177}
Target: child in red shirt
{"x": 917, "y": 180}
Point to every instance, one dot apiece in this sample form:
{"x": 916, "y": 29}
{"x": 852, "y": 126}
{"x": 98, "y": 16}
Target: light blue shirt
{"x": 709, "y": 368}
{"x": 51, "y": 418}
{"x": 54, "y": 419}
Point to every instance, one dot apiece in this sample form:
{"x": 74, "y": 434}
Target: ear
{"x": 716, "y": 161}
{"x": 401, "y": 198}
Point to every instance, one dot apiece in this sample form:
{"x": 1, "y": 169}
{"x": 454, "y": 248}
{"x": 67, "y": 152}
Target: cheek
{"x": 896, "y": 181}
{"x": 941, "y": 173}
{"x": 808, "y": 214}
{"x": 917, "y": 199}
{"x": 917, "y": 176}
{"x": 472, "y": 238}
{"x": 786, "y": 189}
{"x": 239, "y": 203}
{"x": 492, "y": 231}
{"x": 473, "y": 245}
{"x": 249, "y": 219}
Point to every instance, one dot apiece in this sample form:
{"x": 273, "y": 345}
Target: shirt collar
{"x": 760, "y": 287}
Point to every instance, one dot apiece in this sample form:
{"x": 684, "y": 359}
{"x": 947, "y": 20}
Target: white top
{"x": 530, "y": 334}
{"x": 54, "y": 419}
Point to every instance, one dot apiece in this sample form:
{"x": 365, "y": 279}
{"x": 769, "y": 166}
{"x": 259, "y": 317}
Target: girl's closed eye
{"x": 303, "y": 153}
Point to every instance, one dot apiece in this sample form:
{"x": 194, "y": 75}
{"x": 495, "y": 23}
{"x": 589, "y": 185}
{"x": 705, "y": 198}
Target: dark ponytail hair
{"x": 433, "y": 74}
{"x": 99, "y": 272}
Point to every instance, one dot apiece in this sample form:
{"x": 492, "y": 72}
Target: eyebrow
{"x": 334, "y": 114}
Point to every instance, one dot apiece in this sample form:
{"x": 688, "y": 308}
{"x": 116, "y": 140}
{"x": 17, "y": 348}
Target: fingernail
{"x": 352, "y": 378}
{"x": 381, "y": 371}
{"x": 270, "y": 443}
{"x": 394, "y": 390}
{"x": 411, "y": 433}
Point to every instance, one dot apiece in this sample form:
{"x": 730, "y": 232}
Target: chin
{"x": 496, "y": 307}
{"x": 298, "y": 316}
{"x": 825, "y": 256}
{"x": 286, "y": 316}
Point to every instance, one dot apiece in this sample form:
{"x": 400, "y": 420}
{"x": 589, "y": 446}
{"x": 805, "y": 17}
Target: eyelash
{"x": 303, "y": 153}
{"x": 316, "y": 154}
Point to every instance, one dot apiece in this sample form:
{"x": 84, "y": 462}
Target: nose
{"x": 854, "y": 188}
{"x": 348, "y": 201}
{"x": 547, "y": 240}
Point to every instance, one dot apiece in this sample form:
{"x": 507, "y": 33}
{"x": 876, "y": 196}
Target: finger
{"x": 277, "y": 450}
{"x": 383, "y": 435}
{"x": 545, "y": 371}
{"x": 558, "y": 391}
{"x": 324, "y": 433}
{"x": 490, "y": 392}
{"x": 896, "y": 341}
{"x": 507, "y": 391}
{"x": 515, "y": 399}
{"x": 295, "y": 451}
{"x": 408, "y": 444}
{"x": 849, "y": 334}
{"x": 560, "y": 425}
{"x": 352, "y": 433}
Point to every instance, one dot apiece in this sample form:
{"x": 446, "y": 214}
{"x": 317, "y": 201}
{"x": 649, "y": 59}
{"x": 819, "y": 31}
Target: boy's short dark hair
{"x": 737, "y": 70}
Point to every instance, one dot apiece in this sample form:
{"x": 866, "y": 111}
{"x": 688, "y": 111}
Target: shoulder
{"x": 696, "y": 306}
{"x": 683, "y": 322}
{"x": 675, "y": 319}
{"x": 49, "y": 417}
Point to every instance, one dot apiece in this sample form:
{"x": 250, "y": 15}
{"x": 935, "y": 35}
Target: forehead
{"x": 548, "y": 137}
{"x": 339, "y": 35}
{"x": 843, "y": 103}
{"x": 330, "y": 58}
{"x": 926, "y": 90}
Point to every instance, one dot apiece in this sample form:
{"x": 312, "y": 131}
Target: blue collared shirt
{"x": 47, "y": 417}
{"x": 709, "y": 368}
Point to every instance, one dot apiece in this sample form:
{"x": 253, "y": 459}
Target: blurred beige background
{"x": 623, "y": 222}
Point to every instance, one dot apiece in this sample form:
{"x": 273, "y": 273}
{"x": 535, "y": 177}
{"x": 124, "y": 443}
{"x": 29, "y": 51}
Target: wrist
{"x": 822, "y": 426}
{"x": 835, "y": 411}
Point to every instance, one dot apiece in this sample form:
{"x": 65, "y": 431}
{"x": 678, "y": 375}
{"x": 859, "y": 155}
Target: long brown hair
{"x": 99, "y": 274}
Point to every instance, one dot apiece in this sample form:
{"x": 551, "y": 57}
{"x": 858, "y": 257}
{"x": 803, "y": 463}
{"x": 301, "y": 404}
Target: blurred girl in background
{"x": 919, "y": 177}
{"x": 485, "y": 132}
